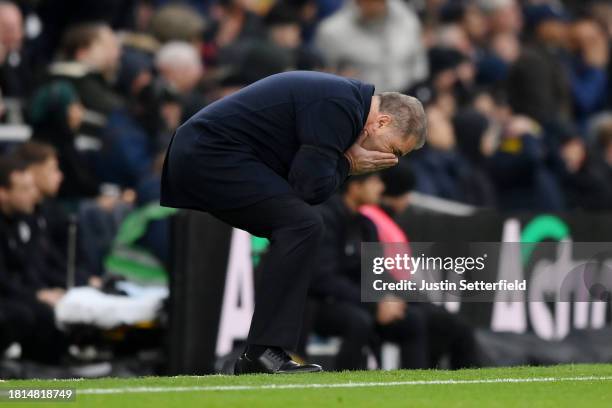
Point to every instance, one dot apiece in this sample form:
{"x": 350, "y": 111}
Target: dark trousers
{"x": 31, "y": 324}
{"x": 294, "y": 229}
{"x": 411, "y": 335}
{"x": 353, "y": 323}
{"x": 358, "y": 328}
{"x": 449, "y": 335}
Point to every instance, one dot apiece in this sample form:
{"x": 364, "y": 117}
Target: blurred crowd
{"x": 517, "y": 95}
{"x": 516, "y": 91}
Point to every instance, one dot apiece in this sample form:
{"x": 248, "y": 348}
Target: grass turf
{"x": 178, "y": 391}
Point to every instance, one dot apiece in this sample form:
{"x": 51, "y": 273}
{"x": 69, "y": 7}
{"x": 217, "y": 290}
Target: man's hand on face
{"x": 366, "y": 161}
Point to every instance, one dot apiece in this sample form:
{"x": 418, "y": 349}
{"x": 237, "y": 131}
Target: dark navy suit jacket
{"x": 283, "y": 134}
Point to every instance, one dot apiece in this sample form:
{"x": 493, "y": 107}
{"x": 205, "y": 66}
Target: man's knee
{"x": 309, "y": 224}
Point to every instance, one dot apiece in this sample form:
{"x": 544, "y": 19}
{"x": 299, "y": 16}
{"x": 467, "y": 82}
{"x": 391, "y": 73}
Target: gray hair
{"x": 408, "y": 115}
{"x": 177, "y": 54}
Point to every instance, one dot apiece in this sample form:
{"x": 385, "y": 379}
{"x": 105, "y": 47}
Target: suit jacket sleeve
{"x": 325, "y": 129}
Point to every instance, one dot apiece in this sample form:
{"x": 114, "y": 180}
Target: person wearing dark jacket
{"x": 335, "y": 285}
{"x": 16, "y": 74}
{"x": 538, "y": 85}
{"x": 258, "y": 159}
{"x": 438, "y": 166}
{"x": 475, "y": 143}
{"x": 448, "y": 334}
{"x": 586, "y": 184}
{"x": 521, "y": 175}
{"x": 50, "y": 222}
{"x": 26, "y": 301}
{"x": 56, "y": 115}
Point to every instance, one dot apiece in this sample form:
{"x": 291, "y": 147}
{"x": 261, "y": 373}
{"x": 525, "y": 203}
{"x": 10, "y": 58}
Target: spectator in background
{"x": 473, "y": 22}
{"x": 50, "y": 221}
{"x": 437, "y": 167}
{"x": 448, "y": 334}
{"x": 156, "y": 236}
{"x": 519, "y": 171}
{"x": 232, "y": 25}
{"x": 538, "y": 85}
{"x": 335, "y": 285}
{"x": 585, "y": 183}
{"x": 134, "y": 136}
{"x": 260, "y": 58}
{"x": 399, "y": 181}
{"x": 309, "y": 12}
{"x": 27, "y": 302}
{"x": 503, "y": 16}
{"x": 494, "y": 62}
{"x": 588, "y": 69}
{"x": 58, "y": 16}
{"x": 56, "y": 114}
{"x": 453, "y": 36}
{"x": 89, "y": 60}
{"x": 601, "y": 11}
{"x": 135, "y": 72}
{"x": 381, "y": 39}
{"x": 451, "y": 81}
{"x": 178, "y": 22}
{"x": 181, "y": 68}
{"x": 601, "y": 148}
{"x": 476, "y": 143}
{"x": 15, "y": 74}
{"x": 284, "y": 30}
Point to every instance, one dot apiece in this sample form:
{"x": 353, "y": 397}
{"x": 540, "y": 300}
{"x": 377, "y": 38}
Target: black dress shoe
{"x": 273, "y": 361}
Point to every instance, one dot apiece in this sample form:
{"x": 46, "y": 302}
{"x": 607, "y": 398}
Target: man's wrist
{"x": 351, "y": 163}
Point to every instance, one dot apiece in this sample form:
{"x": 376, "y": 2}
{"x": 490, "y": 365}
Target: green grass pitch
{"x": 555, "y": 386}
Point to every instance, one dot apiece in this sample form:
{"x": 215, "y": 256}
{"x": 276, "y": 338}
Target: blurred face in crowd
{"x": 74, "y": 115}
{"x": 474, "y": 23}
{"x": 506, "y": 18}
{"x": 588, "y": 39}
{"x": 553, "y": 32}
{"x": 454, "y": 36}
{"x": 11, "y": 27}
{"x": 585, "y": 32}
{"x": 286, "y": 35}
{"x": 21, "y": 195}
{"x": 187, "y": 77}
{"x": 47, "y": 177}
{"x": 181, "y": 67}
{"x": 573, "y": 153}
{"x": 103, "y": 53}
{"x": 372, "y": 9}
{"x": 506, "y": 46}
{"x": 603, "y": 12}
{"x": 366, "y": 192}
{"x": 440, "y": 134}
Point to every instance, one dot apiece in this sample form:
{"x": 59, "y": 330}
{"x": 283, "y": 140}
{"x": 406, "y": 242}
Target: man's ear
{"x": 383, "y": 120}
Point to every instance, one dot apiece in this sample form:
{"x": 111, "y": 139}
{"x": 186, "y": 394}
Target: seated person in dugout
{"x": 424, "y": 332}
{"x": 26, "y": 300}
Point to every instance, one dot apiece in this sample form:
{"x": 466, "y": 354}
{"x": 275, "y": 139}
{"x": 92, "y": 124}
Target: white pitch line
{"x": 130, "y": 390}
